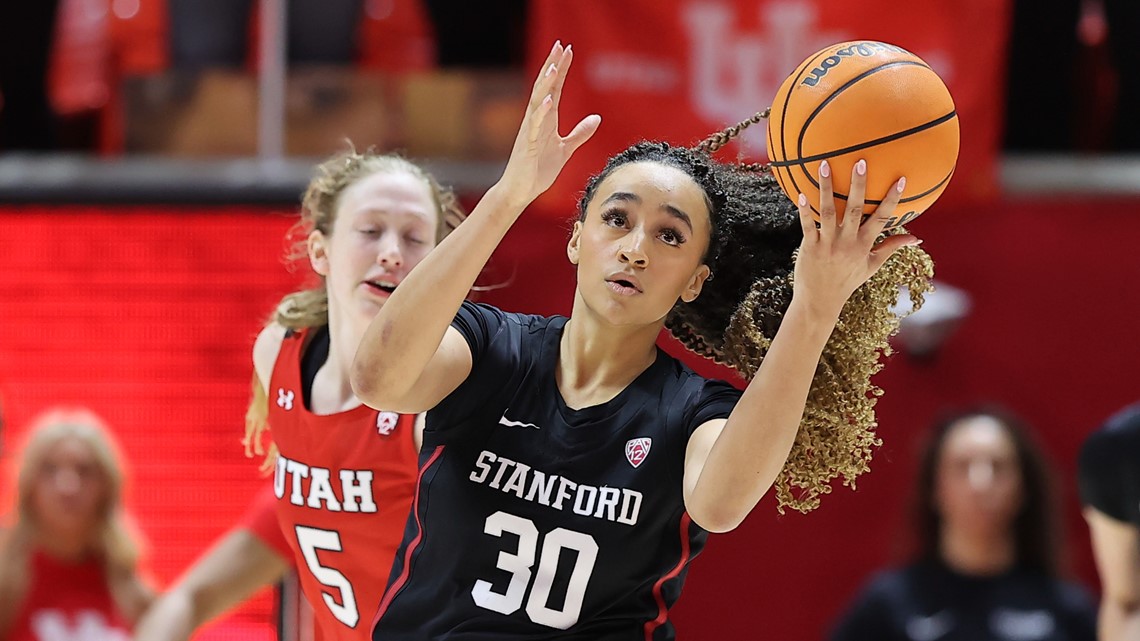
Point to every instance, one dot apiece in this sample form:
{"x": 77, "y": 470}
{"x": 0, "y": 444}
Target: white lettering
{"x": 279, "y": 477}
{"x": 504, "y": 463}
{"x": 354, "y": 485}
{"x": 607, "y": 502}
{"x": 543, "y": 486}
{"x": 588, "y": 506}
{"x": 321, "y": 490}
{"x": 517, "y": 482}
{"x": 299, "y": 471}
{"x": 630, "y": 506}
{"x": 484, "y": 468}
{"x": 614, "y": 504}
{"x": 563, "y": 484}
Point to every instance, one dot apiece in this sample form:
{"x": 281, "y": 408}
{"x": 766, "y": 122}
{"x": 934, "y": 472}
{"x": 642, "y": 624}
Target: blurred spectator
{"x": 484, "y": 35}
{"x": 987, "y": 557}
{"x": 26, "y": 119}
{"x": 1066, "y": 58}
{"x": 1109, "y": 475}
{"x": 215, "y": 33}
{"x": 68, "y": 562}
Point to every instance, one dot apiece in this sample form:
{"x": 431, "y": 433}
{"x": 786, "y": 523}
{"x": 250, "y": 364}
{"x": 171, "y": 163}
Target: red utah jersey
{"x": 344, "y": 484}
{"x": 67, "y": 601}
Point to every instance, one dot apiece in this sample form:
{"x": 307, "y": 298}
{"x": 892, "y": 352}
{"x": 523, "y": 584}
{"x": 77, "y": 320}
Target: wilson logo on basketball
{"x": 864, "y": 49}
{"x": 636, "y": 449}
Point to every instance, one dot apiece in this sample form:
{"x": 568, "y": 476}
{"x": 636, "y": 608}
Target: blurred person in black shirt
{"x": 1109, "y": 480}
{"x": 986, "y": 568}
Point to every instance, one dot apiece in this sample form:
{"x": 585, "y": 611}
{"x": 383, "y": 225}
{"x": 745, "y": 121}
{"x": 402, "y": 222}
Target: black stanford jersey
{"x": 1109, "y": 468}
{"x": 536, "y": 521}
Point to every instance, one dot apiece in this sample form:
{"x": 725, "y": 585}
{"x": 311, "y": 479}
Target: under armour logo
{"x": 636, "y": 449}
{"x": 386, "y": 422}
{"x": 285, "y": 398}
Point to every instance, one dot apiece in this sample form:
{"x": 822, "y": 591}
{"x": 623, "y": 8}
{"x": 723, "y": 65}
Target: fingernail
{"x": 902, "y": 184}
{"x": 824, "y": 169}
{"x": 861, "y": 167}
{"x": 803, "y": 200}
{"x": 569, "y": 48}
{"x": 551, "y": 70}
{"x": 556, "y": 44}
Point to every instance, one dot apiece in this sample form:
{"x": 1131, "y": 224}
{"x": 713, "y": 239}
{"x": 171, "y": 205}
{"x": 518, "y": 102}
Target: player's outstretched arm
{"x": 1116, "y": 548}
{"x": 731, "y": 464}
{"x": 409, "y": 358}
{"x": 228, "y": 574}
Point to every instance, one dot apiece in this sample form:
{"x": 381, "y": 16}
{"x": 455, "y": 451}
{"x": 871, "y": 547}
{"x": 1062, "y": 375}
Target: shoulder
{"x": 697, "y": 398}
{"x": 1074, "y": 597}
{"x": 488, "y": 328}
{"x": 266, "y": 348}
{"x": 888, "y": 584}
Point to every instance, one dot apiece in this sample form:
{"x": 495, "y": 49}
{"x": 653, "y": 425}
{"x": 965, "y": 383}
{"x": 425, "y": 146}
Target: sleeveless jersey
{"x": 67, "y": 601}
{"x": 533, "y": 520}
{"x": 344, "y": 484}
{"x": 1109, "y": 467}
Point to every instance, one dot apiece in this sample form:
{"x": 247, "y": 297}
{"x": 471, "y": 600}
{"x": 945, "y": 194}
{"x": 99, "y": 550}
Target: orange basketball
{"x": 868, "y": 100}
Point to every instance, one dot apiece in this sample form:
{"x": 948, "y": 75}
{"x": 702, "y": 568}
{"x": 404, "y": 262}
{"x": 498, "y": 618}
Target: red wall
{"x": 147, "y": 315}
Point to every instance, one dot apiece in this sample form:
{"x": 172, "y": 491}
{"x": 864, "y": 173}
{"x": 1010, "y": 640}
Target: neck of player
{"x": 978, "y": 553}
{"x": 332, "y": 388}
{"x": 596, "y": 360}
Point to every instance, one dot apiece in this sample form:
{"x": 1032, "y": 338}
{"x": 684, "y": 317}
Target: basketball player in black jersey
{"x": 1109, "y": 479}
{"x": 570, "y": 469}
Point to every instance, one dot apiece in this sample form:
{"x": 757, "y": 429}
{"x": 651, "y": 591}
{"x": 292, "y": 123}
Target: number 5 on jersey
{"x": 519, "y": 565}
{"x": 312, "y": 539}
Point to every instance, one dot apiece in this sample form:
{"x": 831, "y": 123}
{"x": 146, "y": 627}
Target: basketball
{"x": 864, "y": 100}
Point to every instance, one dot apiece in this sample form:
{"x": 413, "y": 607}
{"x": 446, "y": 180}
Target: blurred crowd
{"x": 1072, "y": 76}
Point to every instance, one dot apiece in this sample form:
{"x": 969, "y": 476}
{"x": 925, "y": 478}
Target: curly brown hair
{"x": 309, "y": 307}
{"x": 752, "y": 251}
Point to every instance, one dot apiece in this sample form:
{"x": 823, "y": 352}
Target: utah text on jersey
{"x": 622, "y": 505}
{"x": 312, "y": 486}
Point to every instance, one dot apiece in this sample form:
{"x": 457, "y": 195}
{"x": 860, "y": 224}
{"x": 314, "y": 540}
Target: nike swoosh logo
{"x": 509, "y": 423}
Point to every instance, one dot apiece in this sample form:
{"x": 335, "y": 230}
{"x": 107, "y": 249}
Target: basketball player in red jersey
{"x": 68, "y": 563}
{"x": 343, "y": 473}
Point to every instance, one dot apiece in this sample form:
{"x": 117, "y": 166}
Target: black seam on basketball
{"x": 784, "y": 114}
{"x": 908, "y": 198}
{"x": 841, "y": 89}
{"x": 869, "y": 143}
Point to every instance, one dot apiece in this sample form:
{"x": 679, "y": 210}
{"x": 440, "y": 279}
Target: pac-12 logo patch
{"x": 386, "y": 422}
{"x": 636, "y": 449}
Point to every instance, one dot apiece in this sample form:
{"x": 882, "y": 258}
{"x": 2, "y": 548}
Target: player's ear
{"x": 574, "y": 242}
{"x": 696, "y": 284}
{"x": 318, "y": 252}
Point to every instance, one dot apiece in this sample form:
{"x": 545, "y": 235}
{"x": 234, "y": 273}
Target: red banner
{"x": 679, "y": 70}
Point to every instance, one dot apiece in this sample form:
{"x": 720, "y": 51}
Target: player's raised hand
{"x": 540, "y": 152}
{"x": 841, "y": 253}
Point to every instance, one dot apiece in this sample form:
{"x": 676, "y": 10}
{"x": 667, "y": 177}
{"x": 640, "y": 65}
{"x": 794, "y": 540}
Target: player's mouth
{"x": 380, "y": 287}
{"x": 624, "y": 284}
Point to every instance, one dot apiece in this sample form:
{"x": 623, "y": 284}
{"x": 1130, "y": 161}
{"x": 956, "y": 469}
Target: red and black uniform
{"x": 344, "y": 485}
{"x": 535, "y": 520}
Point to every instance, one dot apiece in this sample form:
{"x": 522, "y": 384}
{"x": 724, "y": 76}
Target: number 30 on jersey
{"x": 520, "y": 563}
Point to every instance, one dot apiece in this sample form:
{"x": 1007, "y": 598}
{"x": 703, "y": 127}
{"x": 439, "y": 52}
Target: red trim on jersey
{"x": 395, "y": 587}
{"x": 662, "y": 611}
